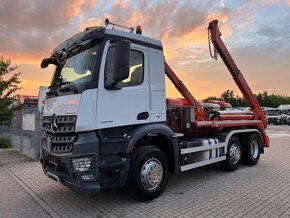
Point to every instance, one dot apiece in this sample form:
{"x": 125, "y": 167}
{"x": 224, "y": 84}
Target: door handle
{"x": 143, "y": 116}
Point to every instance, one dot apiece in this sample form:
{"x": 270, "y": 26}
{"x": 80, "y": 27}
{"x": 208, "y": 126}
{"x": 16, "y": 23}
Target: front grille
{"x": 60, "y": 130}
{"x": 59, "y": 124}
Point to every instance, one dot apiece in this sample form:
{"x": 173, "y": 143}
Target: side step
{"x": 202, "y": 163}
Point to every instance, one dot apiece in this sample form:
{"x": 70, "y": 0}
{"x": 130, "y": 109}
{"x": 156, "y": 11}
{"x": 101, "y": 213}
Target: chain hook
{"x": 214, "y": 54}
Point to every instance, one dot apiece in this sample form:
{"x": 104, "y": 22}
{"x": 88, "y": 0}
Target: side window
{"x": 136, "y": 73}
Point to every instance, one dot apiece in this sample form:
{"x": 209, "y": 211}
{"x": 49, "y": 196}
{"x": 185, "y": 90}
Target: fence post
{"x": 21, "y": 132}
{"x": 37, "y": 136}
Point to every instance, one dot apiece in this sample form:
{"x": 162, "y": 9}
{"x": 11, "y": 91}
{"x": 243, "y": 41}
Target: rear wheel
{"x": 148, "y": 174}
{"x": 252, "y": 150}
{"x": 234, "y": 154}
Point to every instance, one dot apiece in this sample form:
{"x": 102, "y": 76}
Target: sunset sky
{"x": 257, "y": 33}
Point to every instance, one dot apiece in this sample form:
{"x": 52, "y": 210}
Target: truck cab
{"x": 284, "y": 108}
{"x": 288, "y": 116}
{"x": 91, "y": 109}
{"x": 274, "y": 116}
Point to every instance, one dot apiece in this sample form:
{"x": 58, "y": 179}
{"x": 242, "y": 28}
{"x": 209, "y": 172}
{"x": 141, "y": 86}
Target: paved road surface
{"x": 258, "y": 191}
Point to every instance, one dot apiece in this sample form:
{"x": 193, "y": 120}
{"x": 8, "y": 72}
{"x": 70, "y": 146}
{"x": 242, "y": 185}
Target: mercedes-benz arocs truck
{"x": 107, "y": 123}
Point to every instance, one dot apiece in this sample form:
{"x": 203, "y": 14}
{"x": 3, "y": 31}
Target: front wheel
{"x": 234, "y": 155}
{"x": 252, "y": 150}
{"x": 149, "y": 173}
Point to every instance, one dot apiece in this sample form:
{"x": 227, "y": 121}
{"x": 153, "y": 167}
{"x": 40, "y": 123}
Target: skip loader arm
{"x": 238, "y": 78}
{"x": 236, "y": 73}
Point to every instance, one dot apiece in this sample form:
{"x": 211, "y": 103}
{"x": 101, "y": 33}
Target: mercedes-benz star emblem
{"x": 53, "y": 124}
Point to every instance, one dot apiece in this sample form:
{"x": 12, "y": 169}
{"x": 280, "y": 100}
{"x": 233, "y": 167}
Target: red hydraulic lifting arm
{"x": 200, "y": 113}
{"x": 236, "y": 73}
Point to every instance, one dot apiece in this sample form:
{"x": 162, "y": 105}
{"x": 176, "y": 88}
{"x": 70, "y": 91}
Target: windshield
{"x": 273, "y": 112}
{"x": 288, "y": 112}
{"x": 78, "y": 68}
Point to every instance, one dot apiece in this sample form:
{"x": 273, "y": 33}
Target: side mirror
{"x": 121, "y": 62}
{"x": 45, "y": 62}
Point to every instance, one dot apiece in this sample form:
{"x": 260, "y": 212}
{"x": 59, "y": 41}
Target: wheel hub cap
{"x": 235, "y": 154}
{"x": 151, "y": 174}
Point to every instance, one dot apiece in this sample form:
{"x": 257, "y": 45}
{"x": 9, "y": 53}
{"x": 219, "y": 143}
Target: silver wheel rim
{"x": 151, "y": 174}
{"x": 254, "y": 149}
{"x": 235, "y": 154}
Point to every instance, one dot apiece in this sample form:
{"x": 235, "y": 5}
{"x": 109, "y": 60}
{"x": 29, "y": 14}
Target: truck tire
{"x": 252, "y": 150}
{"x": 148, "y": 174}
{"x": 234, "y": 155}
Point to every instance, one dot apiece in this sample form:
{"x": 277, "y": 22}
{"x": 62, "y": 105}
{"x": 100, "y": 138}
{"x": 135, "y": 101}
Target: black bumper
{"x": 86, "y": 187}
{"x": 275, "y": 121}
{"x": 59, "y": 166}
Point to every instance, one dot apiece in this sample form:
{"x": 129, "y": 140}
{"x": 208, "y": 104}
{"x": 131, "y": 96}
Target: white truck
{"x": 107, "y": 123}
{"x": 284, "y": 108}
{"x": 274, "y": 116}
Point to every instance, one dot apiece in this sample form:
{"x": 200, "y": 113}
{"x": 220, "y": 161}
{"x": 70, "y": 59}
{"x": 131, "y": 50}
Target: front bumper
{"x": 273, "y": 120}
{"x": 59, "y": 166}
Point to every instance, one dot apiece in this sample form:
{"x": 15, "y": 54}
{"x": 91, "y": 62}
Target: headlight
{"x": 82, "y": 164}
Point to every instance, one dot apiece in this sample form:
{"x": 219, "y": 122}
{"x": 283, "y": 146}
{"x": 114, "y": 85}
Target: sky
{"x": 257, "y": 34}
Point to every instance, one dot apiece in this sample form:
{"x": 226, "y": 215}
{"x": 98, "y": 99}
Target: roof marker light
{"x": 139, "y": 30}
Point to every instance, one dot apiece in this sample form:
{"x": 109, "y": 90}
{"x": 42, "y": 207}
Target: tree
{"x": 264, "y": 98}
{"x": 228, "y": 96}
{"x": 9, "y": 85}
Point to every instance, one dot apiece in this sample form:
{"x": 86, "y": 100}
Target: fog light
{"x": 82, "y": 164}
{"x": 88, "y": 177}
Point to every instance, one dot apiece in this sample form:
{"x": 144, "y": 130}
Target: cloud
{"x": 90, "y": 22}
{"x": 222, "y": 3}
{"x": 33, "y": 27}
{"x": 269, "y": 2}
{"x": 29, "y": 30}
{"x": 178, "y": 24}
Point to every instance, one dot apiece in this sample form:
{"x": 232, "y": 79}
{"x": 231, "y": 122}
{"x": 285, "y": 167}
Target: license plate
{"x": 53, "y": 159}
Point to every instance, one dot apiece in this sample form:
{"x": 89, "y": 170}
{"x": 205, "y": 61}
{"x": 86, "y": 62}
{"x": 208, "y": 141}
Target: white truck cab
{"x": 284, "y": 108}
{"x": 288, "y": 116}
{"x": 92, "y": 106}
{"x": 275, "y": 116}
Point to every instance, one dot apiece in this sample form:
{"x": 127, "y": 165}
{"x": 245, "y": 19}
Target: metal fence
{"x": 24, "y": 131}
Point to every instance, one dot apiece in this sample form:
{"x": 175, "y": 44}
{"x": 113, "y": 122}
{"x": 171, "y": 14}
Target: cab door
{"x": 128, "y": 105}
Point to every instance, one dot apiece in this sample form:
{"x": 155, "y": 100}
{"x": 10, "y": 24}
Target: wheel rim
{"x": 151, "y": 174}
{"x": 235, "y": 154}
{"x": 254, "y": 149}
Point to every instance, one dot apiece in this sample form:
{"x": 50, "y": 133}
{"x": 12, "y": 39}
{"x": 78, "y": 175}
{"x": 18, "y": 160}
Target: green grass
{"x": 4, "y": 142}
